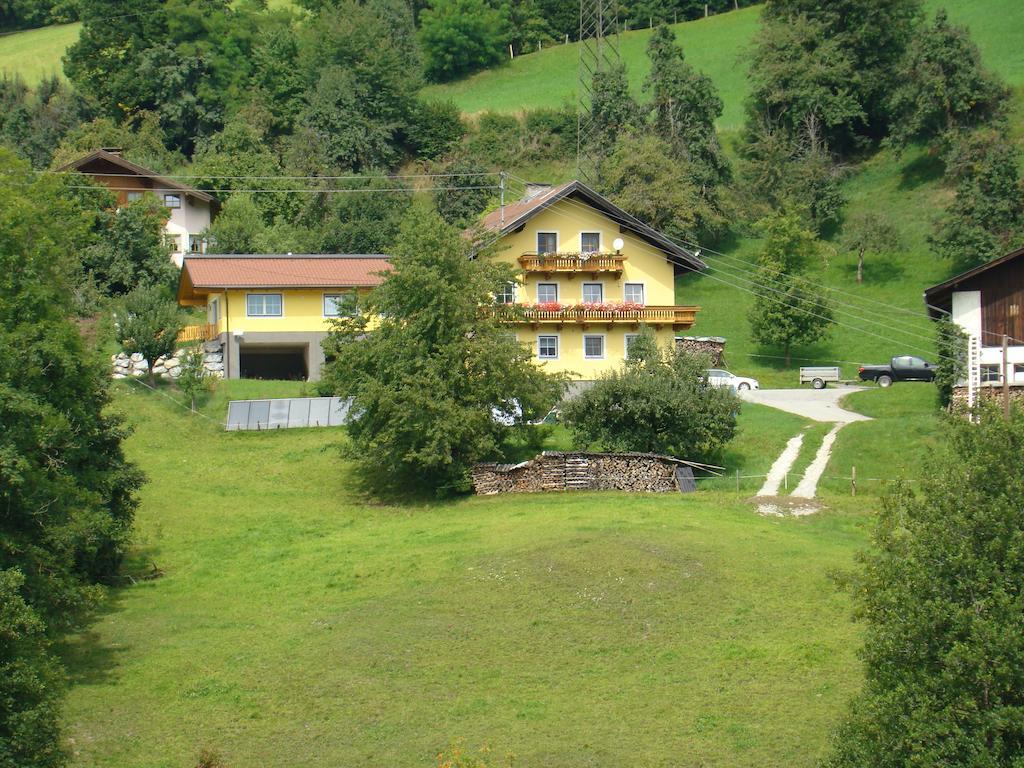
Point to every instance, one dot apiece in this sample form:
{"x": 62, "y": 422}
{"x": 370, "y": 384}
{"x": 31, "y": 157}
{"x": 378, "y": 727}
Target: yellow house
{"x": 268, "y": 314}
{"x": 592, "y": 275}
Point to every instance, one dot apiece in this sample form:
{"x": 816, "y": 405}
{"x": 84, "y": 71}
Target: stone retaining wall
{"x": 557, "y": 471}
{"x": 134, "y": 365}
{"x": 991, "y": 393}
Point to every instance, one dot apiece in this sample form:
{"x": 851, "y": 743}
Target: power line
{"x": 274, "y": 177}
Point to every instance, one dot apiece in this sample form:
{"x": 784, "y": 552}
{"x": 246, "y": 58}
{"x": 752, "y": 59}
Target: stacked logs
{"x": 557, "y": 471}
{"x": 712, "y": 346}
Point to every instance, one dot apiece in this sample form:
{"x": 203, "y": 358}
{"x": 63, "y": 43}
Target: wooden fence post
{"x": 853, "y": 481}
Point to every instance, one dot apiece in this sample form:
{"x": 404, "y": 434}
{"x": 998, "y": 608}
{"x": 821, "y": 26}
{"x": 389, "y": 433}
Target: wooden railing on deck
{"x": 572, "y": 262}
{"x": 655, "y": 315}
{"x": 204, "y": 332}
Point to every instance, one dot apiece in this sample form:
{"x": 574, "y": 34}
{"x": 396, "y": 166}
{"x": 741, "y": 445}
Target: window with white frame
{"x": 593, "y": 293}
{"x": 547, "y": 242}
{"x": 264, "y": 305}
{"x": 134, "y": 195}
{"x": 196, "y": 244}
{"x": 173, "y": 242}
{"x": 633, "y": 293}
{"x": 339, "y": 304}
{"x": 593, "y": 347}
{"x": 172, "y": 201}
{"x": 547, "y": 293}
{"x": 547, "y": 347}
{"x": 590, "y": 242}
{"x": 506, "y": 294}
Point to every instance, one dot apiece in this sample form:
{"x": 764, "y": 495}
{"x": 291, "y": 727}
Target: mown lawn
{"x": 299, "y": 624}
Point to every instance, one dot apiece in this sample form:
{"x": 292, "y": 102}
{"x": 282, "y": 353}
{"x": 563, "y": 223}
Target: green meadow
{"x": 296, "y": 622}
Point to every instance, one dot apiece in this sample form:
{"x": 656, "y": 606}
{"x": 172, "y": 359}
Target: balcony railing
{"x": 593, "y": 263}
{"x": 677, "y": 317}
{"x": 204, "y": 332}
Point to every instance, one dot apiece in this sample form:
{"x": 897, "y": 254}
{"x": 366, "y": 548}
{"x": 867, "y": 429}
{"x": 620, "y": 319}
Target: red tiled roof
{"x": 280, "y": 271}
{"x": 514, "y": 211}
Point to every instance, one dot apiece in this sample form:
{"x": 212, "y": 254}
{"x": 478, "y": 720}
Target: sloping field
{"x": 36, "y": 53}
{"x": 298, "y": 625}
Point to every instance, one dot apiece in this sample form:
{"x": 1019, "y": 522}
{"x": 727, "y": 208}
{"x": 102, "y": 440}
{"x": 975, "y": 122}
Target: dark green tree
{"x": 658, "y": 402}
{"x": 986, "y": 217}
{"x": 642, "y": 177}
{"x": 238, "y": 228}
{"x": 65, "y": 487}
{"x": 193, "y": 380}
{"x": 429, "y": 374}
{"x": 613, "y": 111}
{"x": 939, "y": 594}
{"x": 943, "y": 88}
{"x": 865, "y": 38}
{"x": 460, "y": 37}
{"x": 457, "y": 200}
{"x": 130, "y": 249}
{"x": 685, "y": 105}
{"x": 149, "y": 324}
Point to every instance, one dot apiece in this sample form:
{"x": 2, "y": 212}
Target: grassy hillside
{"x": 548, "y": 79}
{"x": 718, "y": 46}
{"x": 36, "y": 53}
{"x": 298, "y": 625}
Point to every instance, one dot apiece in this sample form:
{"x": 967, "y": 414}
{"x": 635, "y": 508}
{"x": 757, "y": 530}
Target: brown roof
{"x": 200, "y": 274}
{"x": 102, "y": 157}
{"x": 518, "y": 213}
{"x": 938, "y": 298}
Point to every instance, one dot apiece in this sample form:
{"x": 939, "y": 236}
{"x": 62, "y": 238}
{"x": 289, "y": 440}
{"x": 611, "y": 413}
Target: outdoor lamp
{"x": 617, "y": 244}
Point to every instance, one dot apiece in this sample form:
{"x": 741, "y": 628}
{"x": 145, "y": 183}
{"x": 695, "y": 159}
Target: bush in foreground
{"x": 941, "y": 595}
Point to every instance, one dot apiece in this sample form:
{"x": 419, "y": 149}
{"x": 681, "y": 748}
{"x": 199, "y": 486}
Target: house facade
{"x": 272, "y": 312}
{"x": 190, "y": 210}
{"x": 591, "y": 277}
{"x": 987, "y": 302}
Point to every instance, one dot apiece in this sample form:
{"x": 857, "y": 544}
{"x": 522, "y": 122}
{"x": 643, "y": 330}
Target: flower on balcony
{"x": 583, "y": 306}
{"x": 547, "y": 306}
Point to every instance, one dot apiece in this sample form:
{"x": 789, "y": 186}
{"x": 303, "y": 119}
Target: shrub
{"x": 434, "y": 129}
{"x": 659, "y": 402}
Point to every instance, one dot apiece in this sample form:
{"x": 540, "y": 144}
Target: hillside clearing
{"x": 298, "y": 625}
{"x": 36, "y": 53}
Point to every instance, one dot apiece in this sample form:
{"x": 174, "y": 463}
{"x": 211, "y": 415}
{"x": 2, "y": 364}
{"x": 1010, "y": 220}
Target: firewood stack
{"x": 712, "y": 346}
{"x": 578, "y": 471}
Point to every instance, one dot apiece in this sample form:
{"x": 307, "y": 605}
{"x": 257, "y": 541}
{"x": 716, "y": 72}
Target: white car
{"x": 719, "y": 378}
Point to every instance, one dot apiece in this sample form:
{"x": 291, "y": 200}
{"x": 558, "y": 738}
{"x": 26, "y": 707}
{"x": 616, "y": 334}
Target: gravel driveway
{"x": 817, "y": 404}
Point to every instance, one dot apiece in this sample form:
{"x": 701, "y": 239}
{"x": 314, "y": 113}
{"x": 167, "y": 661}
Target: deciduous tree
{"x": 149, "y": 324}
{"x": 939, "y": 594}
{"x": 430, "y": 373}
{"x": 869, "y": 233}
{"x": 460, "y": 37}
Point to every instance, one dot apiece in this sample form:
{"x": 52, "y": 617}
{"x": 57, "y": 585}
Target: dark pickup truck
{"x": 900, "y": 368}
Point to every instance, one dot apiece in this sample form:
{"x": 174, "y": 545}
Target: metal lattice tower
{"x": 599, "y": 52}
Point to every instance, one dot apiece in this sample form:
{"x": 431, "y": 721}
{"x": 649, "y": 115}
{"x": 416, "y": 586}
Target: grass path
{"x": 299, "y": 625}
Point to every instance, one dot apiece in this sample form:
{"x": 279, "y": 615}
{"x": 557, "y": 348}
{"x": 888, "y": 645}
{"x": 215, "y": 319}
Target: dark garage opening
{"x": 273, "y": 363}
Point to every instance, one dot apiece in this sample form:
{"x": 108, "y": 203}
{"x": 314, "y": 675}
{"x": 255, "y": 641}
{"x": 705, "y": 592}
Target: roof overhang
{"x": 133, "y": 169}
{"x": 939, "y": 298}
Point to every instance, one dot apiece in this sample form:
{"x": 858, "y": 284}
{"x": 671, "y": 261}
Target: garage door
{"x": 276, "y": 363}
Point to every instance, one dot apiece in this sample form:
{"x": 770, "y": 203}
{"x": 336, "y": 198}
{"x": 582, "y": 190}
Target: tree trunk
{"x": 860, "y": 266}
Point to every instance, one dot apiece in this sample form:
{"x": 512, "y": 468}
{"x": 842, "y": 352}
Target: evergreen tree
{"x": 65, "y": 487}
{"x": 940, "y": 594}
{"x": 685, "y": 105}
{"x": 429, "y": 375}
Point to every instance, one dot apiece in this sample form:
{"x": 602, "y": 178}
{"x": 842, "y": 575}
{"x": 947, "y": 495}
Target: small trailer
{"x": 819, "y": 376}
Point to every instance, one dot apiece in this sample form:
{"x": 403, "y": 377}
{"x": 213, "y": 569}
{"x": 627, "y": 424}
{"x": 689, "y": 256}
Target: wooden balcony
{"x": 679, "y": 318}
{"x": 204, "y": 332}
{"x": 571, "y": 264}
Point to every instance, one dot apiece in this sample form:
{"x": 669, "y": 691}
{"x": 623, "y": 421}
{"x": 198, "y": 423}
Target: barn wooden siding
{"x": 1002, "y": 301}
{"x": 558, "y": 471}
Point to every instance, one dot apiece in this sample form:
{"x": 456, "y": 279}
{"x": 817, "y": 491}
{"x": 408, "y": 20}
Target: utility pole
{"x": 1006, "y": 377}
{"x": 501, "y": 192}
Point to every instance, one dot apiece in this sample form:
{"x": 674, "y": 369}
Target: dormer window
{"x": 172, "y": 201}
